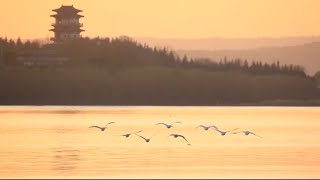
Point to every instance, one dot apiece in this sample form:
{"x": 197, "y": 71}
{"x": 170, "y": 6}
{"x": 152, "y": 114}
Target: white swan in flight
{"x": 169, "y": 125}
{"x": 224, "y": 132}
{"x": 146, "y": 139}
{"x": 129, "y": 134}
{"x": 207, "y": 127}
{"x": 247, "y": 133}
{"x": 101, "y": 128}
{"x": 178, "y": 135}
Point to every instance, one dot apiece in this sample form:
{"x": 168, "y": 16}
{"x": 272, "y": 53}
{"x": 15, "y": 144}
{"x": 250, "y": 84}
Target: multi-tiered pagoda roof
{"x": 67, "y": 25}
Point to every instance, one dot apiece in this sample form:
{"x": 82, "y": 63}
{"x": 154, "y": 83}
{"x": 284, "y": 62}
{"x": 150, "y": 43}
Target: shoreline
{"x": 266, "y": 103}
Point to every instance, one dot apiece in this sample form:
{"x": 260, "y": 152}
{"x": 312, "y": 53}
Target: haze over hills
{"x": 307, "y": 55}
{"x": 211, "y": 44}
{"x": 304, "y": 51}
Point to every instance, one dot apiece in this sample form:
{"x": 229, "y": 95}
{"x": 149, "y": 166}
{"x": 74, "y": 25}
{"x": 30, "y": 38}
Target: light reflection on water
{"x": 55, "y": 142}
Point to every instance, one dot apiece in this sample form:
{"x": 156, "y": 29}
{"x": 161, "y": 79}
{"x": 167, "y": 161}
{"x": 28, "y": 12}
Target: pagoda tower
{"x": 67, "y": 25}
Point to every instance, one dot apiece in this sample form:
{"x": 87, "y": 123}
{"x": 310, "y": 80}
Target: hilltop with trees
{"x": 306, "y": 54}
{"x": 121, "y": 71}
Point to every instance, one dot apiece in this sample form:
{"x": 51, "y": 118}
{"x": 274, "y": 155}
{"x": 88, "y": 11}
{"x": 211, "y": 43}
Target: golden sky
{"x": 167, "y": 18}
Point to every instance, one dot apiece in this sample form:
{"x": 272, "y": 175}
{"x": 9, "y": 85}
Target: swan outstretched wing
{"x": 109, "y": 123}
{"x": 218, "y": 130}
{"x": 232, "y": 130}
{"x": 201, "y": 126}
{"x": 236, "y": 132}
{"x": 176, "y": 122}
{"x": 163, "y": 124}
{"x": 95, "y": 127}
{"x": 136, "y": 132}
{"x": 212, "y": 126}
{"x": 141, "y": 137}
{"x": 183, "y": 137}
{"x": 255, "y": 134}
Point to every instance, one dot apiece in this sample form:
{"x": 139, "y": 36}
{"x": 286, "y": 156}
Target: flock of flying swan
{"x": 168, "y": 126}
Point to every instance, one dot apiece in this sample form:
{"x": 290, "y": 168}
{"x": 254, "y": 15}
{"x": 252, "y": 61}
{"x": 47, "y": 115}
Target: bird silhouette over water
{"x": 102, "y": 128}
{"x": 146, "y": 139}
{"x": 224, "y": 132}
{"x": 247, "y": 133}
{"x": 129, "y": 134}
{"x": 207, "y": 127}
{"x": 168, "y": 125}
{"x": 181, "y": 136}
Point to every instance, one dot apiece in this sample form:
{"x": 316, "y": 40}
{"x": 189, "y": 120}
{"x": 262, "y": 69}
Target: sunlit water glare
{"x": 55, "y": 142}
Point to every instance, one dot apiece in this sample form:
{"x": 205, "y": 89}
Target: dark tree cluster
{"x": 126, "y": 52}
{"x": 10, "y": 49}
{"x": 255, "y": 67}
{"x": 116, "y": 52}
{"x": 148, "y": 86}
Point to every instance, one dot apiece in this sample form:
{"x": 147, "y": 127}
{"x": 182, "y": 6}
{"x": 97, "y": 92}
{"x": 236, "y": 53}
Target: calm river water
{"x": 55, "y": 142}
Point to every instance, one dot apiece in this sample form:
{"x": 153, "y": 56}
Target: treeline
{"x": 148, "y": 86}
{"x": 255, "y": 67}
{"x": 9, "y": 49}
{"x": 126, "y": 52}
{"x": 121, "y": 71}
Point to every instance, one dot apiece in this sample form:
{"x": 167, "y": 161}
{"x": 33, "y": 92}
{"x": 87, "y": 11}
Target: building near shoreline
{"x": 45, "y": 56}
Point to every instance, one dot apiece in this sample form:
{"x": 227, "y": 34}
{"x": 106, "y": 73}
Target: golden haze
{"x": 168, "y": 18}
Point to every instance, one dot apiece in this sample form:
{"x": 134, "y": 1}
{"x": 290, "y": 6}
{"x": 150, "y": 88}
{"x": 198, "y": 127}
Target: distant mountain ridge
{"x": 211, "y": 44}
{"x": 307, "y": 55}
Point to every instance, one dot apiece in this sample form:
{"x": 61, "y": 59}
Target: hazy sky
{"x": 167, "y": 18}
